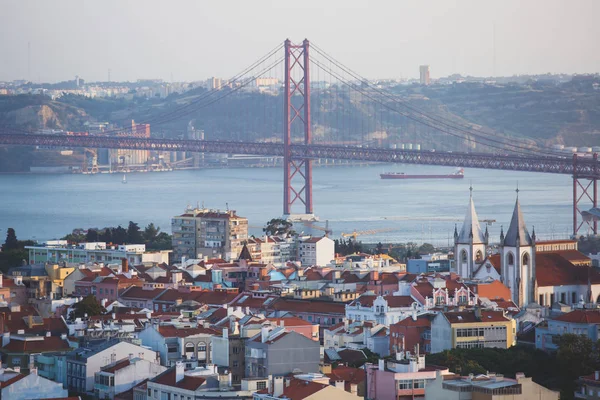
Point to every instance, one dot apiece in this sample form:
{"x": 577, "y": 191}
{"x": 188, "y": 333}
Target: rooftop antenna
{"x": 517, "y": 190}
{"x": 227, "y": 206}
{"x": 470, "y": 188}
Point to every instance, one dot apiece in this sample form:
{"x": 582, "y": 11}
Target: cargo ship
{"x": 401, "y": 175}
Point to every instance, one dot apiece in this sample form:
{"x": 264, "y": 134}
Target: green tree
{"x": 92, "y": 235}
{"x": 576, "y": 356}
{"x": 11, "y": 242}
{"x": 426, "y": 248}
{"x": 379, "y": 248}
{"x": 150, "y": 232}
{"x": 89, "y": 305}
{"x": 106, "y": 235}
{"x": 279, "y": 227}
{"x": 134, "y": 236}
{"x": 119, "y": 235}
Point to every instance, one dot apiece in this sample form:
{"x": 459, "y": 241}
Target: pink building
{"x": 401, "y": 379}
{"x": 295, "y": 324}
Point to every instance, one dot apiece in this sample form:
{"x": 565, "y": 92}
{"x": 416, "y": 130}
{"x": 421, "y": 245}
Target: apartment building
{"x": 475, "y": 328}
{"x": 208, "y": 232}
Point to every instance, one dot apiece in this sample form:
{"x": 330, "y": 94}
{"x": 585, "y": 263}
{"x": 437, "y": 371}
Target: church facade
{"x": 542, "y": 272}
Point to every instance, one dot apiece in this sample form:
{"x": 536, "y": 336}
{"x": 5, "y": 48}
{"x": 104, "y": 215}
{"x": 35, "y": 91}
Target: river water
{"x": 44, "y": 207}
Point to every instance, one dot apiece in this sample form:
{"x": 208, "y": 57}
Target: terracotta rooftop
{"x": 580, "y": 317}
{"x": 48, "y": 344}
{"x": 347, "y": 374}
{"x": 290, "y": 321}
{"x": 112, "y": 368}
{"x": 462, "y": 317}
{"x": 172, "y": 331}
{"x": 299, "y": 389}
{"x": 136, "y": 292}
{"x": 168, "y": 377}
{"x": 554, "y": 270}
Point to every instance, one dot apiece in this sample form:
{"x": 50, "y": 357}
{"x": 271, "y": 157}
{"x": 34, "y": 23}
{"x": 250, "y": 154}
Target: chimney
{"x": 48, "y": 334}
{"x": 288, "y": 381}
{"x": 179, "y": 371}
{"x": 124, "y": 265}
{"x": 346, "y": 324}
{"x": 381, "y": 364}
{"x": 339, "y": 384}
{"x": 374, "y": 275}
{"x": 63, "y": 336}
{"x": 1, "y": 282}
{"x": 477, "y": 312}
{"x": 264, "y": 334}
{"x": 596, "y": 375}
{"x": 277, "y": 386}
{"x": 225, "y": 333}
{"x": 206, "y": 324}
{"x": 325, "y": 369}
{"x": 33, "y": 371}
{"x": 354, "y": 389}
{"x": 282, "y": 323}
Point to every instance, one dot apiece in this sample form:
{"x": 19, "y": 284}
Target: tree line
{"x": 151, "y": 236}
{"x": 577, "y": 356}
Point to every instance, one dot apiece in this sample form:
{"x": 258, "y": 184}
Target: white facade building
{"x": 122, "y": 375}
{"x": 318, "y": 251}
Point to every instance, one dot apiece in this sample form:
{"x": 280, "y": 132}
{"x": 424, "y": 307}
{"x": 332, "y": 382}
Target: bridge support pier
{"x": 585, "y": 191}
{"x": 297, "y": 114}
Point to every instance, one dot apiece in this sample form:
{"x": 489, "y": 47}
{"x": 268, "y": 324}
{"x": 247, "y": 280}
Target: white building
{"x": 385, "y": 310}
{"x": 83, "y": 363}
{"x": 57, "y": 251}
{"x": 318, "y": 251}
{"x": 16, "y": 386}
{"x": 122, "y": 375}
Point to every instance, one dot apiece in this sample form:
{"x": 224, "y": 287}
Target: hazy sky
{"x": 195, "y": 39}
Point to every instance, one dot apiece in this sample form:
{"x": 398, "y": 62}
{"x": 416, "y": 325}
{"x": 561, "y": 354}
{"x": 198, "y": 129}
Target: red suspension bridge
{"x": 298, "y": 148}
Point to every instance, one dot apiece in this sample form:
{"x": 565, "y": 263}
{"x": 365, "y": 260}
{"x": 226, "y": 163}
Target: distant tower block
{"x": 424, "y": 75}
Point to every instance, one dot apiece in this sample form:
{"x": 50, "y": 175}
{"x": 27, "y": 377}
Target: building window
{"x": 510, "y": 259}
{"x": 261, "y": 385}
{"x": 526, "y": 259}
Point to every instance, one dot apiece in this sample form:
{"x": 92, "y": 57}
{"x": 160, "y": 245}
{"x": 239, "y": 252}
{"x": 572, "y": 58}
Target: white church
{"x": 542, "y": 272}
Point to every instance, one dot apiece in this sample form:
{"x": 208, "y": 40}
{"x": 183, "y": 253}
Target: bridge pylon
{"x": 297, "y": 171}
{"x": 585, "y": 190}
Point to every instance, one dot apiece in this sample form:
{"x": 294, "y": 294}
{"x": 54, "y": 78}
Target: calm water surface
{"x": 351, "y": 198}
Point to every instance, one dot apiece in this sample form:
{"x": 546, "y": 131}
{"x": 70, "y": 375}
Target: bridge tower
{"x": 585, "y": 190}
{"x": 297, "y": 171}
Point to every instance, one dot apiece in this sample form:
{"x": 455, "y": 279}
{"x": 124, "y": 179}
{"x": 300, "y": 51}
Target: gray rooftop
{"x": 517, "y": 233}
{"x": 471, "y": 226}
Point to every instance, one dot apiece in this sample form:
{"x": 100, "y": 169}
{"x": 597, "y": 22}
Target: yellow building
{"x": 475, "y": 328}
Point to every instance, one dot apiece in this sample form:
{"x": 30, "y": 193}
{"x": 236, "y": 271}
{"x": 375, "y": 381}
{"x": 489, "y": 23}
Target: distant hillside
{"x": 565, "y": 114}
{"x": 542, "y": 113}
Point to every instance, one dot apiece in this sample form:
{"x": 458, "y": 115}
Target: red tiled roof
{"x": 573, "y": 256}
{"x": 299, "y": 389}
{"x": 290, "y": 321}
{"x": 172, "y": 331}
{"x": 423, "y": 320}
{"x": 491, "y": 290}
{"x": 136, "y": 292}
{"x": 469, "y": 316}
{"x": 308, "y": 306}
{"x": 168, "y": 377}
{"x": 214, "y": 298}
{"x": 16, "y": 323}
{"x": 494, "y": 259}
{"x": 51, "y": 343}
{"x": 347, "y": 374}
{"x": 580, "y": 317}
{"x": 116, "y": 366}
{"x": 554, "y": 270}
